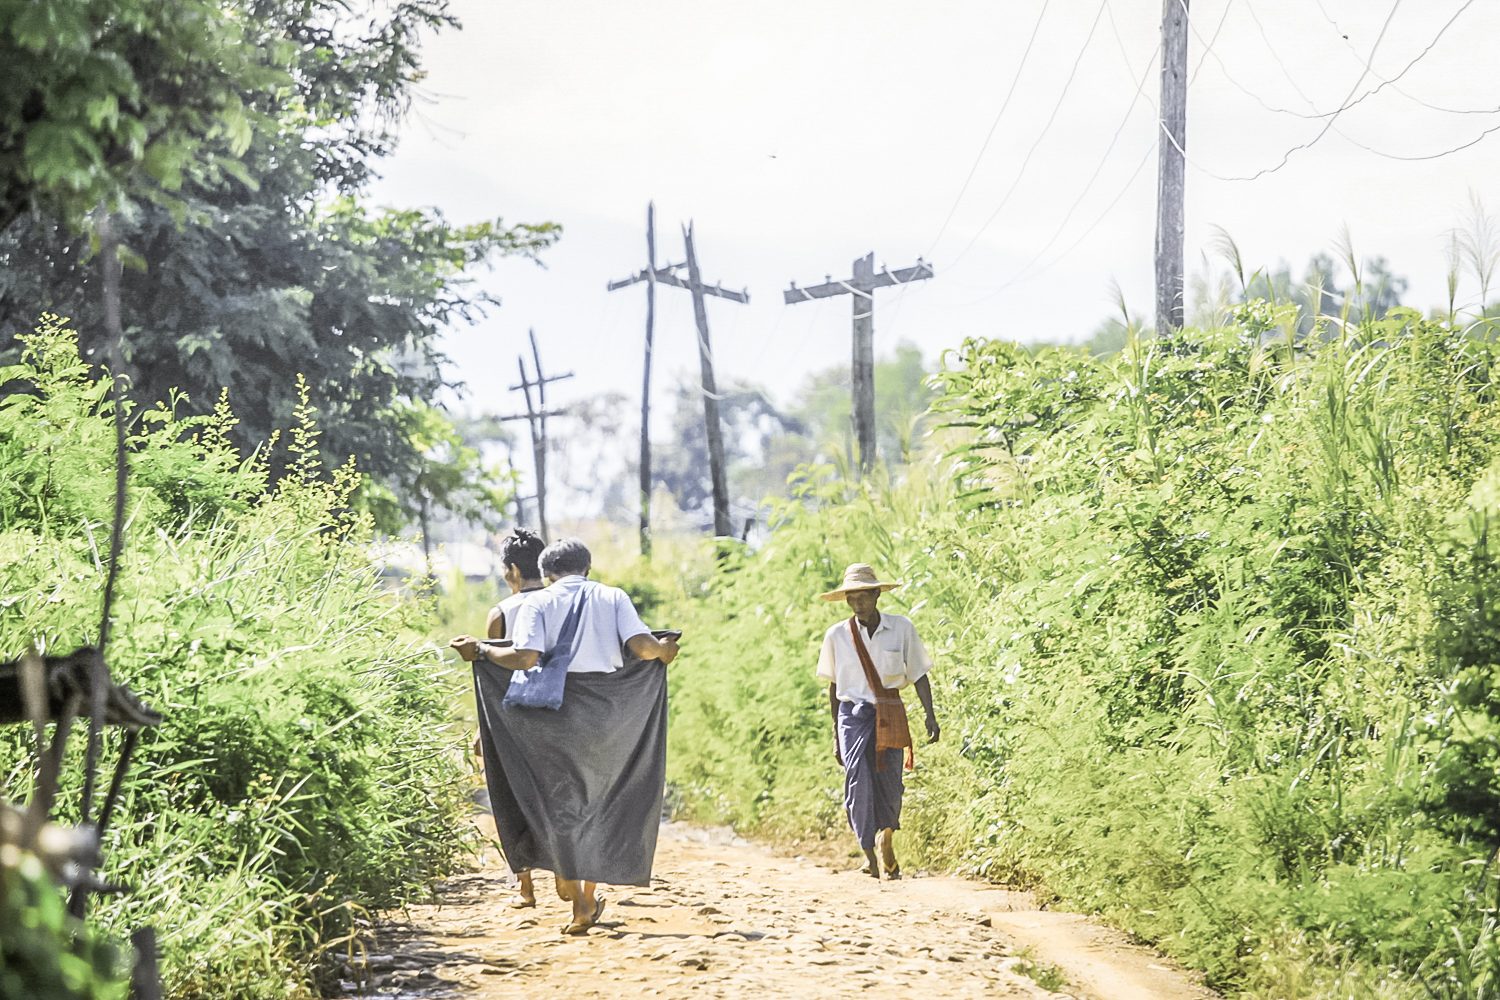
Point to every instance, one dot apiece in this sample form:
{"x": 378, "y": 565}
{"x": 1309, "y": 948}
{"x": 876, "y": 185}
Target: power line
{"x": 1345, "y": 105}
{"x": 1430, "y": 156}
{"x": 1318, "y": 115}
{"x": 1139, "y": 92}
{"x": 1447, "y": 111}
{"x": 1384, "y": 82}
{"x": 770, "y": 337}
{"x": 1224, "y": 69}
{"x": 1266, "y": 41}
{"x": 1052, "y": 118}
{"x": 1085, "y": 235}
{"x": 1410, "y": 97}
{"x": 993, "y": 125}
{"x": 1209, "y": 48}
{"x": 1129, "y": 110}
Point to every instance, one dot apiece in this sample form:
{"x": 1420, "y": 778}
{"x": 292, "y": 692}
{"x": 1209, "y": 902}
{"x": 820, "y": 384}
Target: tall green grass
{"x": 1215, "y": 642}
{"x": 308, "y": 768}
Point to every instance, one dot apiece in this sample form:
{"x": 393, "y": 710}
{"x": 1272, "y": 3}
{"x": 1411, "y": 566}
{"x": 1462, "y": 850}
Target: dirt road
{"x": 725, "y": 918}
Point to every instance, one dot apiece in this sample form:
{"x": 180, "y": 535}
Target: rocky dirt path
{"x": 725, "y": 918}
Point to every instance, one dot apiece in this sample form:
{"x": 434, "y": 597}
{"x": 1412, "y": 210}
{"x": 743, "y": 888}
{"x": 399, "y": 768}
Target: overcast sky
{"x": 800, "y": 135}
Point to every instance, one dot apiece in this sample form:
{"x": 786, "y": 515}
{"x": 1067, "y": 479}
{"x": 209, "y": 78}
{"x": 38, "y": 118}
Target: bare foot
{"x": 887, "y": 841}
{"x": 588, "y": 907}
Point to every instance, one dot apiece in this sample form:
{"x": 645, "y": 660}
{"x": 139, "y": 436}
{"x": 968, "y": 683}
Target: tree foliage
{"x": 104, "y": 101}
{"x": 449, "y": 475}
{"x": 765, "y": 443}
{"x": 241, "y": 284}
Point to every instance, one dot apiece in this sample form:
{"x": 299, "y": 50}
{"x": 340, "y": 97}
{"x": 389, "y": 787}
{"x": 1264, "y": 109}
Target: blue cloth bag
{"x": 542, "y": 686}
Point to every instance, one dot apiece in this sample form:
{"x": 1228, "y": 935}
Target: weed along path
{"x": 725, "y": 918}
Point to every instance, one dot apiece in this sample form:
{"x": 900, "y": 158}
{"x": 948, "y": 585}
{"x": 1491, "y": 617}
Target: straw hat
{"x": 859, "y": 576}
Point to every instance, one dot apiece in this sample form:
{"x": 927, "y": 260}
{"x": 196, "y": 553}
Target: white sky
{"x": 800, "y": 135}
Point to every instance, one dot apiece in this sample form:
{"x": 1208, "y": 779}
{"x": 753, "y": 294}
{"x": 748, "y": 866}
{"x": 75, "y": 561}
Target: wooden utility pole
{"x": 649, "y": 277}
{"x": 712, "y": 427}
{"x": 1172, "y": 155}
{"x": 861, "y": 288}
{"x": 536, "y": 416}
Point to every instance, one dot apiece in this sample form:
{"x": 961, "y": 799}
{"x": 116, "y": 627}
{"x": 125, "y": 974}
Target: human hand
{"x": 838, "y": 754}
{"x": 932, "y": 728}
{"x": 467, "y": 646}
{"x": 668, "y": 651}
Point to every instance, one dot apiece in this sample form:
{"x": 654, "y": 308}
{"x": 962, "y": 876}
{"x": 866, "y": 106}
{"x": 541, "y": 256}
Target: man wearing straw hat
{"x": 866, "y": 660}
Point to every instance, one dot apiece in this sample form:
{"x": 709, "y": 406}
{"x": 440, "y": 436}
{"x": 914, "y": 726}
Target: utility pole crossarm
{"x": 666, "y": 277}
{"x": 719, "y": 290}
{"x": 860, "y": 287}
{"x": 713, "y": 430}
{"x": 549, "y": 378}
{"x": 644, "y": 274}
{"x": 625, "y": 282}
{"x": 920, "y": 272}
{"x": 533, "y": 416}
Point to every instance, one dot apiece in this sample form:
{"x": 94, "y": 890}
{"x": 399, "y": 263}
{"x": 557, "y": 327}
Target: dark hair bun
{"x": 521, "y": 549}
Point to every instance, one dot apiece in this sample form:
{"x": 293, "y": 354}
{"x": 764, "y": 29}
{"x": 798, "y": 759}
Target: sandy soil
{"x": 726, "y": 918}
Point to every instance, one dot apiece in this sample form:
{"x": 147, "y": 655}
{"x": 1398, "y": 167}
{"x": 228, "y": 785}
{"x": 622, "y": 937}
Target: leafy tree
{"x": 764, "y": 445}
{"x": 1368, "y": 295}
{"x": 449, "y": 473}
{"x": 901, "y": 397}
{"x": 350, "y": 298}
{"x": 748, "y": 418}
{"x": 241, "y": 285}
{"x": 110, "y": 100}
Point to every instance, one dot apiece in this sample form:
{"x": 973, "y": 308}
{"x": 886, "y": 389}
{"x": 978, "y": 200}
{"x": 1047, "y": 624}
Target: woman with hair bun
{"x": 518, "y": 567}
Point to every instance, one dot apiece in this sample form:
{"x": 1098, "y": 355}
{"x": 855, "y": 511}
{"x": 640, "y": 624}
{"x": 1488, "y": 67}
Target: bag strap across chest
{"x": 891, "y": 729}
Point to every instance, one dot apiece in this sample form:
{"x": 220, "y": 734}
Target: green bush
{"x": 307, "y": 766}
{"x": 1216, "y": 637}
{"x": 44, "y": 953}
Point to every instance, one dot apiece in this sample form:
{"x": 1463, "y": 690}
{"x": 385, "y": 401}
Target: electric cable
{"x": 1345, "y": 105}
{"x": 1207, "y": 49}
{"x": 1410, "y": 97}
{"x": 1430, "y": 156}
{"x": 993, "y": 125}
{"x": 1129, "y": 110}
{"x": 1085, "y": 235}
{"x": 1045, "y": 129}
{"x": 1321, "y": 115}
{"x": 1384, "y": 82}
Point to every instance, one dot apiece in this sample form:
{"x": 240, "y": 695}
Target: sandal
{"x": 894, "y": 873}
{"x": 519, "y": 902}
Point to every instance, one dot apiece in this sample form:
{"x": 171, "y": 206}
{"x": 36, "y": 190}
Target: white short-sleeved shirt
{"x": 895, "y": 649}
{"x": 510, "y": 606}
{"x": 607, "y": 621}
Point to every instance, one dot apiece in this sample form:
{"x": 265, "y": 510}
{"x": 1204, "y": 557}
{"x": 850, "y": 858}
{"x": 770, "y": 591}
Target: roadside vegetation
{"x": 1217, "y": 620}
{"x": 307, "y": 770}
